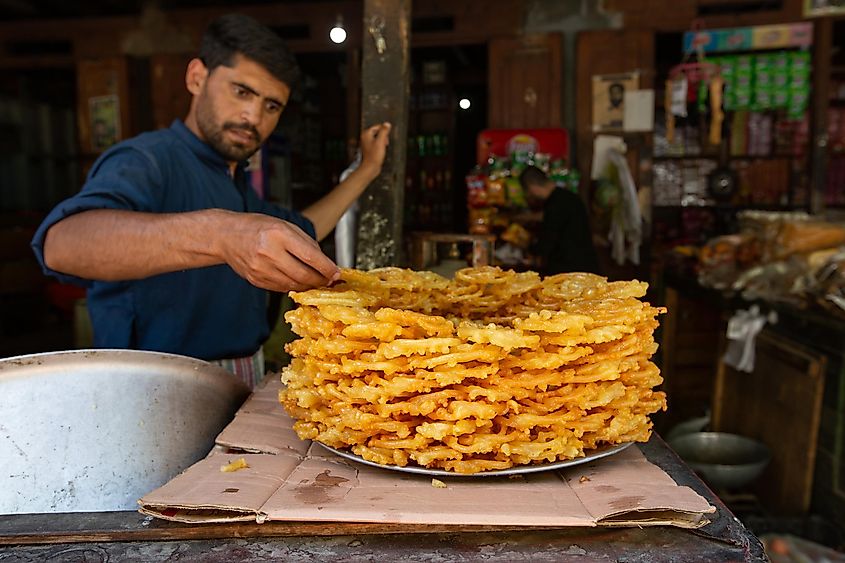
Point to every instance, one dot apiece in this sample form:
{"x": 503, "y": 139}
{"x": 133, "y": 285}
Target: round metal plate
{"x": 598, "y": 453}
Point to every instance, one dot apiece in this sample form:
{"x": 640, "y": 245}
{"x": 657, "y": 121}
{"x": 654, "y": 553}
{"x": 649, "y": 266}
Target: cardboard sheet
{"x": 288, "y": 479}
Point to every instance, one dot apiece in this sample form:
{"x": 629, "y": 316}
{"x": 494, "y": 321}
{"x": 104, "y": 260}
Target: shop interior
{"x": 729, "y": 117}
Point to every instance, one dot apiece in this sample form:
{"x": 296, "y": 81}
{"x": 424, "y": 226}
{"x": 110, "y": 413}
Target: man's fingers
{"x": 302, "y": 272}
{"x": 310, "y": 254}
{"x": 380, "y": 130}
{"x": 287, "y": 258}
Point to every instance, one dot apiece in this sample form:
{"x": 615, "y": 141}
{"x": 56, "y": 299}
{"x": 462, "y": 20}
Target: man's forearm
{"x": 113, "y": 245}
{"x": 326, "y": 212}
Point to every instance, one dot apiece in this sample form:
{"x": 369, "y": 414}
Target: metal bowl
{"x": 725, "y": 460}
{"x": 94, "y": 430}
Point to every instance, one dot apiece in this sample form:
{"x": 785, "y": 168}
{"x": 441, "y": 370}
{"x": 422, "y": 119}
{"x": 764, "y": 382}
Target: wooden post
{"x": 384, "y": 97}
{"x": 822, "y": 45}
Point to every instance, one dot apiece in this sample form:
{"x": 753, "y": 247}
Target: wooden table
{"x": 130, "y": 536}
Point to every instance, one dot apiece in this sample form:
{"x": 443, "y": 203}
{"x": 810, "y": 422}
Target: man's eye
{"x": 240, "y": 92}
{"x": 273, "y": 107}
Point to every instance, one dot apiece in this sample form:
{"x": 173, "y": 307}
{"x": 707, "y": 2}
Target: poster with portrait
{"x": 104, "y": 112}
{"x": 609, "y": 99}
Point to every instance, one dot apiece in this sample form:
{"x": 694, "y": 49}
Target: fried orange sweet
{"x": 485, "y": 371}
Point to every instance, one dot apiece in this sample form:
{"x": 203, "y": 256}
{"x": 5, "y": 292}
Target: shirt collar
{"x": 199, "y": 147}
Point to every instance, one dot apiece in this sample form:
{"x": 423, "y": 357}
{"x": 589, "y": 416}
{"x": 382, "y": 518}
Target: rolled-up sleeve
{"x": 123, "y": 178}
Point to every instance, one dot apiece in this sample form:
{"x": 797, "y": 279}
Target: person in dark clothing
{"x": 565, "y": 241}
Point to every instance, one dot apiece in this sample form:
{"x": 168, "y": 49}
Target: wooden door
{"x": 168, "y": 93}
{"x": 607, "y": 51}
{"x": 113, "y": 102}
{"x": 690, "y": 355}
{"x": 525, "y": 81}
{"x": 779, "y": 404}
{"x": 103, "y": 103}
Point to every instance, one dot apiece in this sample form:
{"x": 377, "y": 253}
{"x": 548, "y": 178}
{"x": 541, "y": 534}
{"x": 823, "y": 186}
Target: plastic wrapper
{"x": 799, "y": 86}
{"x": 476, "y": 190}
{"x": 514, "y": 194}
{"x": 763, "y": 83}
{"x": 772, "y": 282}
{"x": 824, "y": 281}
{"x": 807, "y": 236}
{"x": 784, "y": 257}
{"x": 496, "y": 191}
{"x": 728, "y": 69}
{"x": 718, "y": 261}
{"x": 743, "y": 82}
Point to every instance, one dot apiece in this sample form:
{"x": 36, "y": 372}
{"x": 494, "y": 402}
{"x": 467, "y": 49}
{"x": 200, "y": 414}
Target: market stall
{"x": 126, "y": 535}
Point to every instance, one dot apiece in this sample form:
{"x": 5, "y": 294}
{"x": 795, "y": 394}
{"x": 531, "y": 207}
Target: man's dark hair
{"x": 234, "y": 34}
{"x": 532, "y": 176}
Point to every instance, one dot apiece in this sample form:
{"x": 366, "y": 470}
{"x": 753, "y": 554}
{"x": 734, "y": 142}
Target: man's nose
{"x": 251, "y": 112}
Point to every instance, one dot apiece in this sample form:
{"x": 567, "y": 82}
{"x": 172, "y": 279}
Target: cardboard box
{"x": 288, "y": 479}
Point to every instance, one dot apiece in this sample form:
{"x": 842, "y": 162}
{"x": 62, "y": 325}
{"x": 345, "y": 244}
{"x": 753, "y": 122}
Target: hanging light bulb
{"x": 338, "y": 33}
{"x": 464, "y": 103}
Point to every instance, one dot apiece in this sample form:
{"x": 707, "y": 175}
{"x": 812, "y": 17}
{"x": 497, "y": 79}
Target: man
{"x": 616, "y": 95}
{"x": 176, "y": 248}
{"x": 565, "y": 241}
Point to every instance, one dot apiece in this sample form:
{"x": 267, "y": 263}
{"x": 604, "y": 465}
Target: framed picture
{"x": 104, "y": 115}
{"x": 609, "y": 99}
{"x": 813, "y": 8}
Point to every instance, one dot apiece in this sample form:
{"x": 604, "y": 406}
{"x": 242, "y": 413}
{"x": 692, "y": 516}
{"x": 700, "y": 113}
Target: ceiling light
{"x": 338, "y": 33}
{"x": 464, "y": 103}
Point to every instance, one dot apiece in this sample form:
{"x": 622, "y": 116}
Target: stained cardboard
{"x": 288, "y": 479}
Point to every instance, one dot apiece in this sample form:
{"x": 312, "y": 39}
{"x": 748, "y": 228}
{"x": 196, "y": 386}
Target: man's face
{"x": 237, "y": 108}
{"x": 536, "y": 195}
{"x": 617, "y": 93}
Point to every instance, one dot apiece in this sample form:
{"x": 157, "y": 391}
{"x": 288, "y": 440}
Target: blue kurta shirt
{"x": 209, "y": 313}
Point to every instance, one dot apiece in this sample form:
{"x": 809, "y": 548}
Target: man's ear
{"x": 195, "y": 76}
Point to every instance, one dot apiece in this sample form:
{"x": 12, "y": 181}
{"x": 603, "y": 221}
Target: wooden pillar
{"x": 384, "y": 97}
{"x": 822, "y": 46}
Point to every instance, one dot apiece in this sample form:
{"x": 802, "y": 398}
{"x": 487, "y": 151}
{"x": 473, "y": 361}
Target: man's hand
{"x": 326, "y": 211}
{"x": 374, "y": 141}
{"x": 276, "y": 255}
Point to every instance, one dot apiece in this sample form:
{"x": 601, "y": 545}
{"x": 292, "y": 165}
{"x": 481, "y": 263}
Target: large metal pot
{"x": 94, "y": 430}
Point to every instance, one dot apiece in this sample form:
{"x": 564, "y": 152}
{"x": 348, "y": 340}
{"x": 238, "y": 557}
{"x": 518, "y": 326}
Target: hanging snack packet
{"x": 763, "y": 83}
{"x": 743, "y": 82}
{"x": 780, "y": 79}
{"x": 515, "y": 194}
{"x": 728, "y": 67}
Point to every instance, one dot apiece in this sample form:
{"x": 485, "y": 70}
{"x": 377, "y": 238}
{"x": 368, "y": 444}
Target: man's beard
{"x": 214, "y": 136}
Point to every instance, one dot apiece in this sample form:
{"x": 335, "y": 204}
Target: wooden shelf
{"x": 737, "y": 157}
{"x": 731, "y": 207}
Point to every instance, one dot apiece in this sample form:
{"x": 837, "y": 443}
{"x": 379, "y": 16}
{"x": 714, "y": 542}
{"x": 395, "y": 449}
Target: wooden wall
{"x": 679, "y": 15}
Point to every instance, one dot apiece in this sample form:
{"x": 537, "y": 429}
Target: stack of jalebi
{"x": 487, "y": 371}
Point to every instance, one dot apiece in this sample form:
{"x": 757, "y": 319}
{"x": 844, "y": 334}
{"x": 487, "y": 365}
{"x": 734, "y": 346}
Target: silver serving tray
{"x": 595, "y": 454}
{"x": 94, "y": 430}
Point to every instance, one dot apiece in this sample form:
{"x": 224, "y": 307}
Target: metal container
{"x": 725, "y": 460}
{"x": 94, "y": 430}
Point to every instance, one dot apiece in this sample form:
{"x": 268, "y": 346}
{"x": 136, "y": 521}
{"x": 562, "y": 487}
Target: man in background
{"x": 565, "y": 242}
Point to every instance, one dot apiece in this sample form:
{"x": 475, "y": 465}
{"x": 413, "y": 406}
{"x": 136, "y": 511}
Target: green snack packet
{"x": 728, "y": 67}
{"x": 514, "y": 193}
